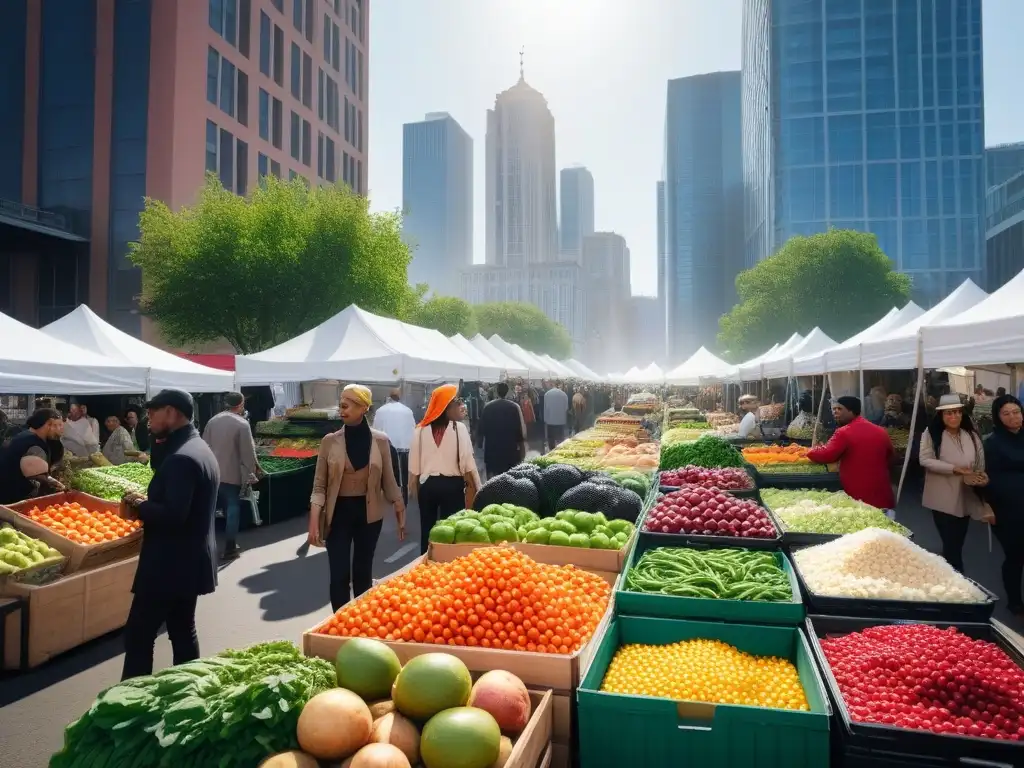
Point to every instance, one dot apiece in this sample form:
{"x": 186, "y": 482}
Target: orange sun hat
{"x": 440, "y": 399}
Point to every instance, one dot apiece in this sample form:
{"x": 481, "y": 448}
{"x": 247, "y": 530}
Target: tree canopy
{"x": 446, "y": 314}
{"x": 525, "y": 325}
{"x": 840, "y": 281}
{"x": 257, "y": 271}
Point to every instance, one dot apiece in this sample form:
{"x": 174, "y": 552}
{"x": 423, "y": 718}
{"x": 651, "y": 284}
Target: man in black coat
{"x": 178, "y": 561}
{"x": 503, "y": 432}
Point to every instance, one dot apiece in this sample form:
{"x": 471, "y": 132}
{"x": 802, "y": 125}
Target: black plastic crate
{"x": 897, "y": 610}
{"x": 789, "y": 480}
{"x": 653, "y": 539}
{"x": 866, "y": 745}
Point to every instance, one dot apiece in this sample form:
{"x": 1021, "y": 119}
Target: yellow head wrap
{"x": 359, "y": 394}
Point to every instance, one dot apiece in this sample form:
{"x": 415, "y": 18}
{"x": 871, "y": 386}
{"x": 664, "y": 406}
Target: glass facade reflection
{"x": 868, "y": 115}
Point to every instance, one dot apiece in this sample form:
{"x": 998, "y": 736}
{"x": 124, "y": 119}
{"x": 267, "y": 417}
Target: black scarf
{"x": 165, "y": 446}
{"x": 358, "y": 440}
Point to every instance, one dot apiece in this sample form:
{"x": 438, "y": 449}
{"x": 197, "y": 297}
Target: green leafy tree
{"x": 448, "y": 315}
{"x": 257, "y": 271}
{"x": 525, "y": 325}
{"x": 840, "y": 281}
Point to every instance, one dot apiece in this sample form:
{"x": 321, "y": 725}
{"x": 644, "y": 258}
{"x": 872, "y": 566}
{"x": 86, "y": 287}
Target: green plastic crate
{"x": 790, "y": 613}
{"x": 617, "y": 730}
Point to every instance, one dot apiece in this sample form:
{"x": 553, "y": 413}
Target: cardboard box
{"x": 80, "y": 556}
{"x": 558, "y": 673}
{"x": 70, "y": 611}
{"x": 606, "y": 560}
{"x": 529, "y": 748}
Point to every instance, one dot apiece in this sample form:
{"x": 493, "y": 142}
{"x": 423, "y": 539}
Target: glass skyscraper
{"x": 867, "y": 115}
{"x": 576, "y": 195}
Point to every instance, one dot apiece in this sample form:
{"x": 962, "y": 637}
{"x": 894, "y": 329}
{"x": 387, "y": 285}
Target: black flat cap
{"x": 175, "y": 398}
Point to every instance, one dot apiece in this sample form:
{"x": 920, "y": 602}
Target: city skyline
{"x": 670, "y": 42}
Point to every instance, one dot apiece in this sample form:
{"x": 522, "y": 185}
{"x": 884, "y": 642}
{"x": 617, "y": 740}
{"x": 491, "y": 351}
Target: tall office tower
{"x": 662, "y": 256}
{"x": 605, "y": 265}
{"x": 437, "y": 201}
{"x": 106, "y": 102}
{"x": 521, "y": 218}
{"x": 577, "y": 204}
{"x": 867, "y": 116}
{"x": 1004, "y": 232}
{"x": 703, "y": 208}
{"x": 1003, "y": 161}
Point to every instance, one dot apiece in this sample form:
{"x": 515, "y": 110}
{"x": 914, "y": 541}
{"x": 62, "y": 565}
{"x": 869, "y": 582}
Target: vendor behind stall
{"x": 750, "y": 427}
{"x": 79, "y": 436}
{"x": 120, "y": 444}
{"x": 864, "y": 452}
{"x": 26, "y": 461}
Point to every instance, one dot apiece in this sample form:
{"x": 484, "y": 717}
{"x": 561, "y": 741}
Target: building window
{"x": 275, "y": 169}
{"x": 359, "y": 177}
{"x": 327, "y": 37}
{"x": 241, "y": 167}
{"x": 332, "y": 103}
{"x": 307, "y": 143}
{"x": 264, "y": 107}
{"x": 230, "y": 20}
{"x": 277, "y": 123}
{"x": 320, "y": 154}
{"x": 243, "y": 98}
{"x": 264, "y": 44}
{"x": 359, "y": 76}
{"x": 307, "y": 81}
{"x": 279, "y": 4}
{"x": 330, "y": 169}
{"x": 344, "y": 168}
{"x": 309, "y": 20}
{"x": 227, "y": 87}
{"x": 244, "y": 22}
{"x": 320, "y": 94}
{"x": 296, "y": 70}
{"x": 227, "y": 159}
{"x": 212, "y": 73}
{"x": 278, "y": 55}
{"x": 294, "y": 137}
{"x": 297, "y": 14}
{"x": 336, "y": 47}
{"x": 211, "y": 146}
{"x": 359, "y": 131}
{"x": 261, "y": 165}
{"x": 348, "y": 130}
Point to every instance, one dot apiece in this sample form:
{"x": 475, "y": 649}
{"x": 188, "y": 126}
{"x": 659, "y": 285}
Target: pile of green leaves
{"x": 227, "y": 711}
{"x": 111, "y": 483}
{"x": 710, "y": 451}
{"x": 274, "y": 465}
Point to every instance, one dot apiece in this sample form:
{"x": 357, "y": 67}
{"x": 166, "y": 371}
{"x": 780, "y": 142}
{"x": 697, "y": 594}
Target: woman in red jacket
{"x": 864, "y": 452}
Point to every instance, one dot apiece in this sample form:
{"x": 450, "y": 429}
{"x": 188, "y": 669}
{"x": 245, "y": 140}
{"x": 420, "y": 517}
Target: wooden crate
{"x": 533, "y": 743}
{"x": 80, "y": 556}
{"x": 558, "y": 673}
{"x": 70, "y": 611}
{"x": 604, "y": 560}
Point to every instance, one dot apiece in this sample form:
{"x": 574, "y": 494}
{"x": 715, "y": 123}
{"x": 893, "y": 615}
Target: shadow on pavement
{"x": 291, "y": 588}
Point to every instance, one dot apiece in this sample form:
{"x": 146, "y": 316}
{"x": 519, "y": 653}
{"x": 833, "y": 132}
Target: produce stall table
{"x": 9, "y": 606}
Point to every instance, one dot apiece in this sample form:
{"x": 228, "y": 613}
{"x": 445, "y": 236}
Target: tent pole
{"x": 913, "y": 413}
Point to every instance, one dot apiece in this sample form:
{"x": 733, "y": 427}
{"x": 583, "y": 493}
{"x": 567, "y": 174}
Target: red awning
{"x": 220, "y": 362}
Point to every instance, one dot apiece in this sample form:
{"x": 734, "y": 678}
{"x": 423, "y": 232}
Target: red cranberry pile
{"x": 920, "y": 676}
{"x": 727, "y": 479}
{"x": 709, "y": 512}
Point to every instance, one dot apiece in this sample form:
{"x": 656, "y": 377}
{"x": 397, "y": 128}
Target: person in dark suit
{"x": 178, "y": 561}
{"x": 503, "y": 432}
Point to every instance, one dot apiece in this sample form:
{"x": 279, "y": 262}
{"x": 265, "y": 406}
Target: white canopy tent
{"x": 509, "y": 364}
{"x": 356, "y": 345}
{"x": 652, "y": 374}
{"x": 732, "y": 373}
{"x": 847, "y": 355}
{"x": 537, "y": 368}
{"x": 557, "y": 367}
{"x": 84, "y": 329}
{"x": 752, "y": 370}
{"x": 989, "y": 333}
{"x": 781, "y": 366}
{"x": 700, "y": 364}
{"x": 582, "y": 371}
{"x": 26, "y": 368}
{"x": 897, "y": 350}
{"x": 467, "y": 347}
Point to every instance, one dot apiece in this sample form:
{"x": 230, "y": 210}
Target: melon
{"x": 379, "y": 756}
{"x": 334, "y": 724}
{"x": 461, "y": 737}
{"x": 398, "y": 731}
{"x": 429, "y": 684}
{"x": 367, "y": 667}
{"x": 504, "y": 696}
{"x": 293, "y": 759}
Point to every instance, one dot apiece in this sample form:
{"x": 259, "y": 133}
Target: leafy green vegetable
{"x": 710, "y": 451}
{"x": 111, "y": 483}
{"x": 826, "y": 512}
{"x": 226, "y": 711}
{"x": 720, "y": 574}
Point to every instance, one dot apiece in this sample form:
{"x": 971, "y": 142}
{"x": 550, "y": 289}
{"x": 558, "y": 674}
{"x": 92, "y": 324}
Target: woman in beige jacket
{"x": 353, "y": 484}
{"x": 954, "y": 464}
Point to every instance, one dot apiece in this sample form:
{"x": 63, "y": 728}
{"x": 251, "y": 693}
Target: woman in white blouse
{"x": 442, "y": 468}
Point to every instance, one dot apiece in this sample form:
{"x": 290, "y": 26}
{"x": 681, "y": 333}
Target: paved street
{"x": 277, "y": 589}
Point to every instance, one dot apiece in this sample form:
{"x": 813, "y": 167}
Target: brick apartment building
{"x": 104, "y": 102}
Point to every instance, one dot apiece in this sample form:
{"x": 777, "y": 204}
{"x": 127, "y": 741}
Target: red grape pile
{"x": 920, "y": 676}
{"x": 727, "y": 479}
{"x": 709, "y": 512}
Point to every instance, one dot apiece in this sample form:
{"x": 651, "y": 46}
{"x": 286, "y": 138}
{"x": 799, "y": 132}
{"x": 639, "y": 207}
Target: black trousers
{"x": 350, "y": 544}
{"x": 1011, "y": 539}
{"x": 147, "y": 614}
{"x": 440, "y": 496}
{"x": 556, "y": 434}
{"x": 953, "y": 533}
{"x": 403, "y": 475}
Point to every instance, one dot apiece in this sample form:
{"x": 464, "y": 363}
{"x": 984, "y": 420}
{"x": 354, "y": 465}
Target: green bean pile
{"x": 719, "y": 574}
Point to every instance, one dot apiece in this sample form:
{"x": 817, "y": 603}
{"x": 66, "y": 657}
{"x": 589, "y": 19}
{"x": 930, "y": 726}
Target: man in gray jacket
{"x": 230, "y": 438}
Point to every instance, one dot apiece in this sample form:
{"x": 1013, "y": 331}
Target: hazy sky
{"x": 603, "y": 66}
